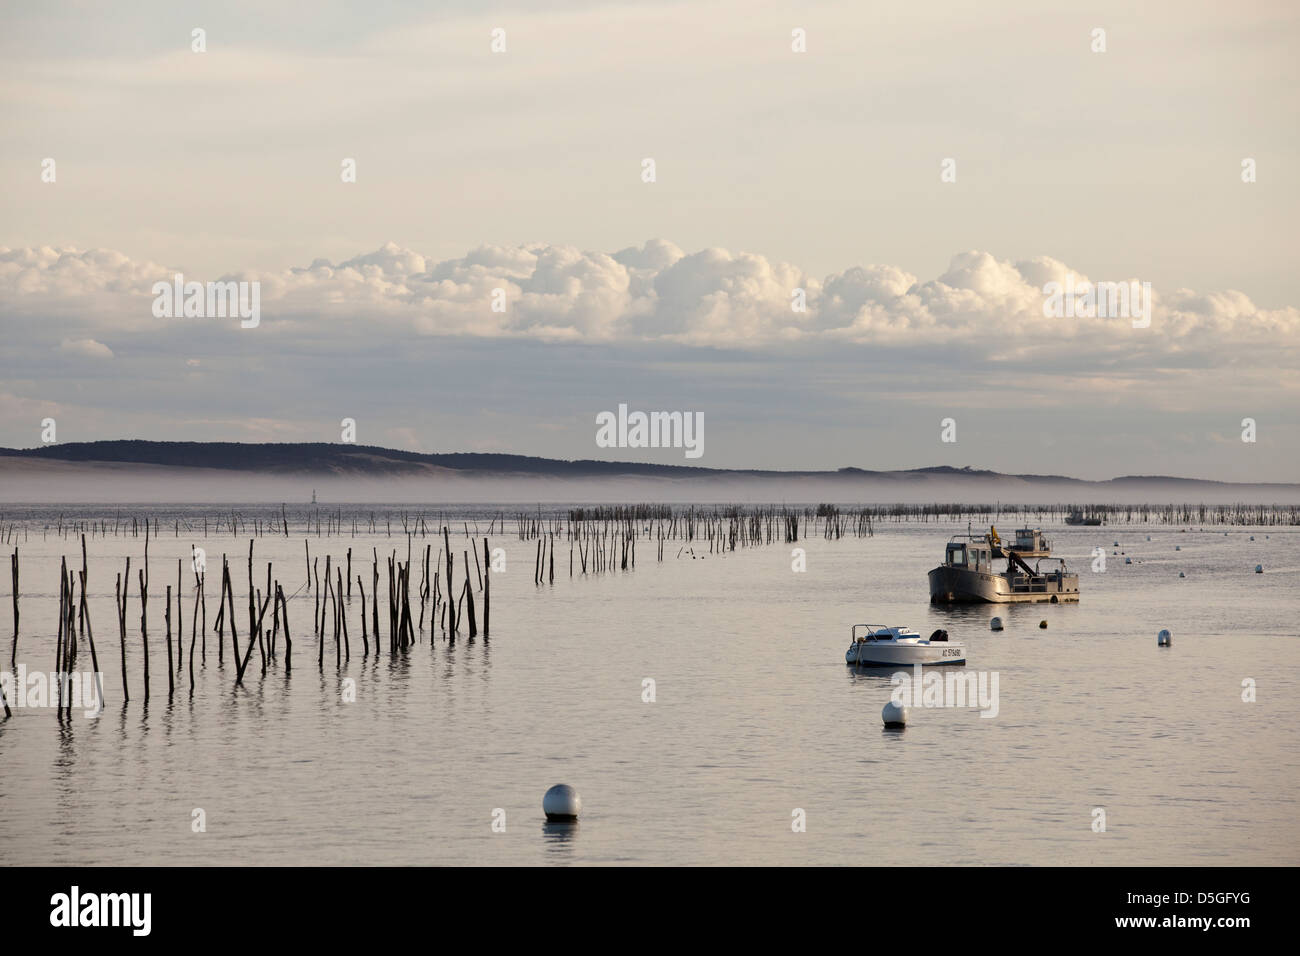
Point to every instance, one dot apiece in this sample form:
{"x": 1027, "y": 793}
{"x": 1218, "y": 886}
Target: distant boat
{"x": 1077, "y": 517}
{"x": 876, "y": 646}
{"x": 1029, "y": 543}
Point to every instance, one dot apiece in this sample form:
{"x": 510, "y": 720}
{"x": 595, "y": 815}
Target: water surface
{"x": 755, "y": 715}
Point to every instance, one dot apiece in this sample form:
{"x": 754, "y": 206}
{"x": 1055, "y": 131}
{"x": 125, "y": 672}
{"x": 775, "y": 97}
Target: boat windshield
{"x": 957, "y": 555}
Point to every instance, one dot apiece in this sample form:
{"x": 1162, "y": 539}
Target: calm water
{"x": 755, "y": 715}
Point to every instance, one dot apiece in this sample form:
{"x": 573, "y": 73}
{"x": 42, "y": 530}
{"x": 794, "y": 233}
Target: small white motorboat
{"x": 877, "y": 646}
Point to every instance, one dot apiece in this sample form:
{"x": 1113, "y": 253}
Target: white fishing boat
{"x": 877, "y": 646}
{"x": 968, "y": 574}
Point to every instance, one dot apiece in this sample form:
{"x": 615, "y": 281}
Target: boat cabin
{"x": 1031, "y": 541}
{"x": 972, "y": 556}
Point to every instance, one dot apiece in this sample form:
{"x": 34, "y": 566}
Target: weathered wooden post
{"x": 121, "y": 625}
{"x": 365, "y": 638}
{"x": 288, "y": 641}
{"x": 374, "y": 597}
{"x": 469, "y": 594}
{"x": 180, "y": 622}
{"x": 13, "y": 656}
{"x": 167, "y": 615}
{"x": 144, "y": 626}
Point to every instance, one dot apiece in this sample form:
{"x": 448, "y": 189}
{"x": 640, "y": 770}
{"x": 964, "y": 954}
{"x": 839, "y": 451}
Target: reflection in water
{"x": 976, "y": 617}
{"x": 559, "y": 837}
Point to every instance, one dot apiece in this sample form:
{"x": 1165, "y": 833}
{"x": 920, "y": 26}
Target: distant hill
{"x": 157, "y": 470}
{"x": 326, "y": 458}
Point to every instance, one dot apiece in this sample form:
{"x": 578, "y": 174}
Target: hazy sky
{"x": 775, "y": 170}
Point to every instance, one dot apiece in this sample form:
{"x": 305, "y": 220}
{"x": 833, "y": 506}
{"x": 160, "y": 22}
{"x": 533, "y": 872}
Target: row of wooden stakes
{"x": 74, "y": 627}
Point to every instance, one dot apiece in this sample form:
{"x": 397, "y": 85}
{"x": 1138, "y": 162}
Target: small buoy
{"x": 1164, "y": 638}
{"x": 1148, "y": 537}
{"x": 1043, "y": 625}
{"x": 1252, "y": 537}
{"x": 894, "y": 715}
{"x": 1117, "y": 544}
{"x": 1259, "y": 569}
{"x": 1178, "y": 547}
{"x": 1181, "y": 575}
{"x": 561, "y": 802}
{"x": 995, "y": 624}
{"x": 1128, "y": 560}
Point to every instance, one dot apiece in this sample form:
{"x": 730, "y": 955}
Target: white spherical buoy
{"x": 1259, "y": 569}
{"x": 1164, "y": 638}
{"x": 995, "y": 624}
{"x": 894, "y": 715}
{"x": 561, "y": 802}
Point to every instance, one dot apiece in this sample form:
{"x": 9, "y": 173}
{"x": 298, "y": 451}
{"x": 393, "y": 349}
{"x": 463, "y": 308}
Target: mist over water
{"x": 755, "y": 712}
{"x": 133, "y": 488}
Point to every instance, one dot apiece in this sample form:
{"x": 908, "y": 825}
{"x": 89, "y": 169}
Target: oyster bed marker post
{"x": 144, "y": 628}
{"x": 167, "y": 615}
{"x": 121, "y": 625}
{"x": 365, "y": 640}
{"x": 180, "y": 622}
{"x": 288, "y": 642}
{"x": 469, "y": 596}
{"x": 13, "y": 567}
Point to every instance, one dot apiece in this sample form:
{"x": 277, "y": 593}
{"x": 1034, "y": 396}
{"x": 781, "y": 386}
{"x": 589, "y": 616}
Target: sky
{"x": 825, "y": 171}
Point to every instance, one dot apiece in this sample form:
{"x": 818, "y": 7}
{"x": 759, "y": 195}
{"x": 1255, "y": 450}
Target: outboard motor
{"x": 940, "y": 635}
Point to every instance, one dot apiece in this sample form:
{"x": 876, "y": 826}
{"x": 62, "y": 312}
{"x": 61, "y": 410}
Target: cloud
{"x": 62, "y": 274}
{"x": 86, "y": 348}
{"x": 985, "y": 306}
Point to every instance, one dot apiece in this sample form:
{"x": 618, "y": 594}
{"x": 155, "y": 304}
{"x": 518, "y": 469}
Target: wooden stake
{"x": 167, "y": 614}
{"x": 144, "y": 628}
{"x": 13, "y": 656}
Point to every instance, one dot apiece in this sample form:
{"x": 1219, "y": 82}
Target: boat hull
{"x": 889, "y": 654}
{"x": 961, "y": 586}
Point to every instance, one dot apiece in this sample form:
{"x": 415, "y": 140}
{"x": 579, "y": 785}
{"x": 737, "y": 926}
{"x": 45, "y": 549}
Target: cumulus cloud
{"x": 86, "y": 348}
{"x": 652, "y": 293}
